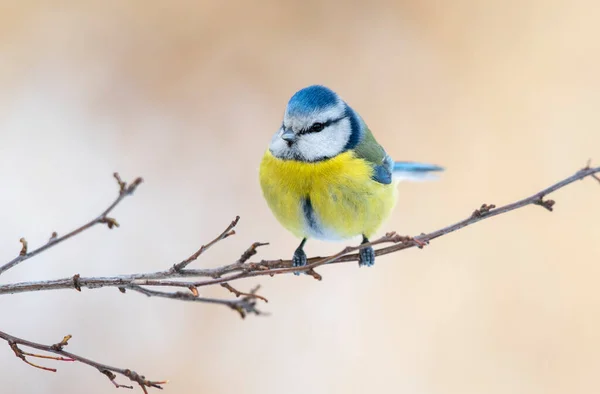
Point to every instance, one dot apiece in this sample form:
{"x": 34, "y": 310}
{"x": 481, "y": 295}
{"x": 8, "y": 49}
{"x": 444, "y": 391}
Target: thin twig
{"x": 243, "y": 306}
{"x": 238, "y": 293}
{"x": 229, "y": 231}
{"x": 251, "y": 251}
{"x": 124, "y": 191}
{"x": 106, "y": 370}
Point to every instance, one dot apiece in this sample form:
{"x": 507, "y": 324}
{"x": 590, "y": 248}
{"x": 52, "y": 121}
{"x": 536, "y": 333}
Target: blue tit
{"x": 325, "y": 176}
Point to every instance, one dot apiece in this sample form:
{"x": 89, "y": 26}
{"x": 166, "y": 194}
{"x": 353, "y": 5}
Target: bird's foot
{"x": 299, "y": 259}
{"x": 366, "y": 256}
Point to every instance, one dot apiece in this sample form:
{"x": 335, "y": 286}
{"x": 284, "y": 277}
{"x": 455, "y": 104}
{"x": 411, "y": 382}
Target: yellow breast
{"x": 329, "y": 199}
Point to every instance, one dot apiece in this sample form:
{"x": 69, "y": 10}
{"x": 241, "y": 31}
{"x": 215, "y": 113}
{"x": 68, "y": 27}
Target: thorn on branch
{"x": 23, "y": 251}
{"x": 548, "y": 204}
{"x": 76, "y": 283}
{"x": 65, "y": 341}
{"x": 251, "y": 251}
{"x": 110, "y": 222}
{"x": 481, "y": 212}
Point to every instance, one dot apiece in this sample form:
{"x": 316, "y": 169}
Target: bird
{"x": 325, "y": 177}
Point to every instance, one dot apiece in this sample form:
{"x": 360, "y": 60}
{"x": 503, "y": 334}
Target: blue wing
{"x": 382, "y": 173}
{"x": 384, "y": 168}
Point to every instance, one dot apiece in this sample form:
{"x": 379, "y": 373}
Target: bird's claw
{"x": 366, "y": 257}
{"x": 299, "y": 259}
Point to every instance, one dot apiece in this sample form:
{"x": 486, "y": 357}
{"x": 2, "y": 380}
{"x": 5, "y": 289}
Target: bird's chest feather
{"x": 330, "y": 199}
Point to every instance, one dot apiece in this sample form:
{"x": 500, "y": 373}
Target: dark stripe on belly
{"x": 310, "y": 215}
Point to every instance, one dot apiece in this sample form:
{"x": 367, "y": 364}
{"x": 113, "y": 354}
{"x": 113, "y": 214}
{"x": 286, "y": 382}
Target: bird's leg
{"x": 299, "y": 259}
{"x": 366, "y": 256}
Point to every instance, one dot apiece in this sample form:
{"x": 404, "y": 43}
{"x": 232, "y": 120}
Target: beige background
{"x": 505, "y": 94}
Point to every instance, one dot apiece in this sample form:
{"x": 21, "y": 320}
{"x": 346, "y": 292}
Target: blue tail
{"x": 407, "y": 170}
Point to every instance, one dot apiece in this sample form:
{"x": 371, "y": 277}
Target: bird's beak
{"x": 288, "y": 136}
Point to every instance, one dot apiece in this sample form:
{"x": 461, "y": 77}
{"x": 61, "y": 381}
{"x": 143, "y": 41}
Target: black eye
{"x": 316, "y": 127}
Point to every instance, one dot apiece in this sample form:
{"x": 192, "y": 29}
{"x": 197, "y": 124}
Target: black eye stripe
{"x": 317, "y": 127}
{"x": 325, "y": 124}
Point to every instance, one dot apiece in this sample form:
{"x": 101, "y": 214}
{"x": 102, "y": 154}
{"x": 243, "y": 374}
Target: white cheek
{"x": 326, "y": 144}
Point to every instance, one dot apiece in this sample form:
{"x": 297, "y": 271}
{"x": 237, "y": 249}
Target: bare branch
{"x": 187, "y": 280}
{"x": 243, "y": 306}
{"x": 242, "y": 269}
{"x": 57, "y": 348}
{"x": 124, "y": 191}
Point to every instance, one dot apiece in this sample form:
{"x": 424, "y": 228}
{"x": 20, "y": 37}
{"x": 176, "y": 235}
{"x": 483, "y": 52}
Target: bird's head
{"x": 317, "y": 125}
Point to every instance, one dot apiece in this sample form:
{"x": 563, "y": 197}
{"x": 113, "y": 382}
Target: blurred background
{"x": 187, "y": 94}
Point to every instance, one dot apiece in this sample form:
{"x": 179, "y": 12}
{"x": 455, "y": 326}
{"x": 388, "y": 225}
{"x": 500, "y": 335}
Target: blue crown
{"x": 311, "y": 99}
